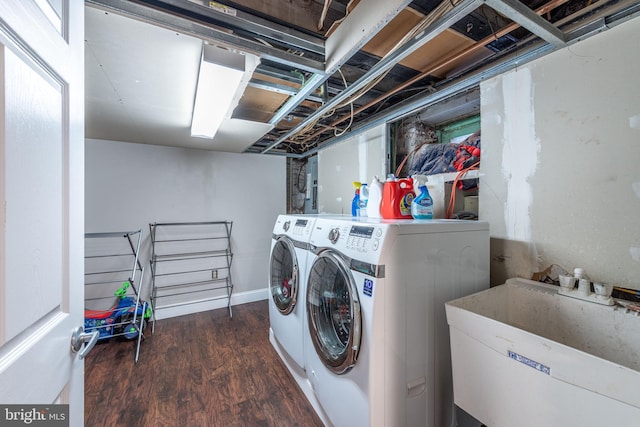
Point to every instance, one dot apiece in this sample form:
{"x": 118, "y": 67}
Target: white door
{"x": 42, "y": 202}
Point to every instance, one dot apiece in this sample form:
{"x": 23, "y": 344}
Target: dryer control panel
{"x": 301, "y": 229}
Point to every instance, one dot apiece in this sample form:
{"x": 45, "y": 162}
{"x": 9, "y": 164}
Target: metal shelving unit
{"x": 113, "y": 304}
{"x": 190, "y": 263}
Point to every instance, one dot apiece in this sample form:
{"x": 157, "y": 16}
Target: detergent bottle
{"x": 422, "y": 206}
{"x": 375, "y": 198}
{"x": 397, "y": 196}
{"x": 355, "y": 203}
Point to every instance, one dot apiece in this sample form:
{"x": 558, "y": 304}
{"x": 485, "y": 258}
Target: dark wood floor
{"x": 203, "y": 369}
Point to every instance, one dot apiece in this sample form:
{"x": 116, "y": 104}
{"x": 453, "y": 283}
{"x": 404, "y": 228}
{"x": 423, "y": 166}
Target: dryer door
{"x": 333, "y": 312}
{"x": 285, "y": 278}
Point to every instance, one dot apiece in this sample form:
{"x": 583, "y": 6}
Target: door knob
{"x": 79, "y": 337}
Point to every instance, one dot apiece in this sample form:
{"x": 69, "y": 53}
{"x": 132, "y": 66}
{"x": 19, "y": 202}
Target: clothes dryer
{"x": 377, "y": 343}
{"x": 287, "y": 286}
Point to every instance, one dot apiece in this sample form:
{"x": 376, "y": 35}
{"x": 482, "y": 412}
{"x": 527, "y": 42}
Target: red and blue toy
{"x": 125, "y": 318}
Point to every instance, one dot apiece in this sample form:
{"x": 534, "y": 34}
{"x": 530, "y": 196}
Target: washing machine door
{"x": 333, "y": 312}
{"x": 284, "y": 281}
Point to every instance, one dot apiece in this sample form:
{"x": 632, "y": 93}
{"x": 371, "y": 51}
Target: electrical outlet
{"x": 214, "y": 274}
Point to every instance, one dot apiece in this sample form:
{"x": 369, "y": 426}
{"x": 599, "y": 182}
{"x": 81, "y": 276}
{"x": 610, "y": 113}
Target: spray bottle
{"x": 355, "y": 203}
{"x": 422, "y": 206}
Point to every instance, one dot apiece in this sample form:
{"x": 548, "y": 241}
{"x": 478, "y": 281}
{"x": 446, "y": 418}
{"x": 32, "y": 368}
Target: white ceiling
{"x": 140, "y": 85}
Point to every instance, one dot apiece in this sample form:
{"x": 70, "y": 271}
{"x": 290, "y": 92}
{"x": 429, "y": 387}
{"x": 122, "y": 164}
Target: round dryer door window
{"x": 333, "y": 312}
{"x": 284, "y": 275}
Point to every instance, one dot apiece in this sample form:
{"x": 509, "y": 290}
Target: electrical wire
{"x": 302, "y": 164}
{"x": 440, "y": 10}
{"x": 493, "y": 31}
{"x": 421, "y": 26}
{"x": 336, "y": 132}
{"x": 410, "y": 89}
{"x": 459, "y": 177}
{"x": 628, "y": 291}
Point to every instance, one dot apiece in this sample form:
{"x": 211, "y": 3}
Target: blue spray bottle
{"x": 355, "y": 203}
{"x": 422, "y": 206}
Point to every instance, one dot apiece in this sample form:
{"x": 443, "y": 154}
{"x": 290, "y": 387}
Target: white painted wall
{"x": 130, "y": 185}
{"x": 359, "y": 158}
{"x": 560, "y": 161}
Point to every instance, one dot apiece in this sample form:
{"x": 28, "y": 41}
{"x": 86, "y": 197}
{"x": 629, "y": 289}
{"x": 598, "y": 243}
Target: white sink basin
{"x": 522, "y": 355}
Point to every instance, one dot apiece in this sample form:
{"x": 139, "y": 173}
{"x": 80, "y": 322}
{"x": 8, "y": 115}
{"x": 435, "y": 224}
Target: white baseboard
{"x": 198, "y": 306}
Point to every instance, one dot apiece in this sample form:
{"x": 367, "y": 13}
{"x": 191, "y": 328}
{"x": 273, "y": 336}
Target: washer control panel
{"x": 363, "y": 238}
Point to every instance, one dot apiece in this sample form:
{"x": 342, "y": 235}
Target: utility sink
{"x": 523, "y": 355}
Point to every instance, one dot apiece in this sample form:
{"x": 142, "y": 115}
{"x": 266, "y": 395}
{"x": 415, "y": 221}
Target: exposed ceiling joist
{"x": 441, "y": 23}
{"x": 524, "y": 16}
{"x": 356, "y": 30}
{"x": 360, "y": 26}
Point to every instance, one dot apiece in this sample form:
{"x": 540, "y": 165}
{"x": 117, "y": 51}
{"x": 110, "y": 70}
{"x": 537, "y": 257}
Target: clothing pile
{"x": 430, "y": 159}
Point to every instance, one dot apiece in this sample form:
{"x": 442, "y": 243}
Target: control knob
{"x": 334, "y": 235}
{"x": 286, "y": 225}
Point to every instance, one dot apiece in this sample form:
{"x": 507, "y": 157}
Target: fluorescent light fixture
{"x": 221, "y": 72}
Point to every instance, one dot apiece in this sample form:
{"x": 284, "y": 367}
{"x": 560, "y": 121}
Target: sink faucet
{"x": 584, "y": 285}
{"x": 602, "y": 294}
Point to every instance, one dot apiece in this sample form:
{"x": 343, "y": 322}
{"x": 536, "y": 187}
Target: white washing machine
{"x": 287, "y": 286}
{"x": 377, "y": 344}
